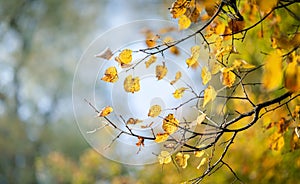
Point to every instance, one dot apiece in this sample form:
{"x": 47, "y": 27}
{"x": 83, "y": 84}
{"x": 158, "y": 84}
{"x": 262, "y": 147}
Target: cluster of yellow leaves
{"x": 132, "y": 84}
{"x": 161, "y": 71}
{"x": 154, "y": 111}
{"x": 209, "y": 95}
{"x": 179, "y": 92}
{"x": 150, "y": 61}
{"x": 177, "y": 77}
{"x": 292, "y": 73}
{"x": 110, "y": 75}
{"x": 105, "y": 111}
{"x": 182, "y": 159}
{"x": 195, "y": 54}
{"x": 164, "y": 157}
{"x": 170, "y": 124}
{"x": 124, "y": 58}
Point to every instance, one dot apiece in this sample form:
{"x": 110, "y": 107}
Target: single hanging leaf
{"x": 177, "y": 77}
{"x": 209, "y": 95}
{"x": 202, "y": 162}
{"x": 276, "y": 141}
{"x": 272, "y": 75}
{"x": 161, "y": 137}
{"x": 195, "y": 54}
{"x": 132, "y": 84}
{"x": 170, "y": 124}
{"x": 164, "y": 157}
{"x": 182, "y": 159}
{"x": 227, "y": 77}
{"x": 161, "y": 71}
{"x": 295, "y": 141}
{"x": 179, "y": 92}
{"x": 110, "y": 75}
{"x": 154, "y": 111}
{"x": 192, "y": 62}
{"x": 140, "y": 142}
{"x": 105, "y": 54}
{"x": 199, "y": 153}
{"x": 150, "y": 61}
{"x": 105, "y": 111}
{"x": 205, "y": 75}
{"x": 168, "y": 41}
{"x": 195, "y": 51}
{"x": 125, "y": 57}
{"x": 239, "y": 63}
{"x": 292, "y": 75}
{"x": 215, "y": 68}
{"x": 184, "y": 22}
{"x": 132, "y": 121}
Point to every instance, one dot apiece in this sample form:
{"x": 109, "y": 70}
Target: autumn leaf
{"x": 184, "y": 22}
{"x": 295, "y": 141}
{"x": 240, "y": 63}
{"x": 276, "y": 141}
{"x": 266, "y": 6}
{"x": 227, "y": 77}
{"x": 236, "y": 25}
{"x": 125, "y": 57}
{"x": 182, "y": 159}
{"x": 105, "y": 54}
{"x": 179, "y": 92}
{"x": 174, "y": 50}
{"x": 154, "y": 111}
{"x": 132, "y": 84}
{"x": 195, "y": 54}
{"x": 179, "y": 8}
{"x": 209, "y": 95}
{"x": 110, "y": 75}
{"x": 292, "y": 75}
{"x": 215, "y": 68}
{"x": 105, "y": 111}
{"x": 195, "y": 15}
{"x": 161, "y": 137}
{"x": 161, "y": 71}
{"x": 272, "y": 75}
{"x": 140, "y": 142}
{"x": 164, "y": 157}
{"x": 170, "y": 124}
{"x": 200, "y": 118}
{"x": 205, "y": 75}
{"x": 150, "y": 61}
{"x": 132, "y": 121}
{"x": 202, "y": 162}
{"x": 151, "y": 37}
{"x": 199, "y": 153}
{"x": 177, "y": 77}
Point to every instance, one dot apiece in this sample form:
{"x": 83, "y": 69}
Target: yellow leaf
{"x": 132, "y": 84}
{"x": 125, "y": 57}
{"x": 161, "y": 71}
{"x": 182, "y": 159}
{"x": 184, "y": 22}
{"x": 199, "y": 153}
{"x": 272, "y": 75}
{"x": 150, "y": 61}
{"x": 195, "y": 51}
{"x": 228, "y": 77}
{"x": 170, "y": 124}
{"x": 202, "y": 162}
{"x": 132, "y": 121}
{"x": 164, "y": 157}
{"x": 215, "y": 68}
{"x": 195, "y": 15}
{"x": 179, "y": 8}
{"x": 105, "y": 111}
{"x": 239, "y": 63}
{"x": 209, "y": 95}
{"x": 205, "y": 75}
{"x": 161, "y": 137}
{"x": 179, "y": 92}
{"x": 200, "y": 118}
{"x": 276, "y": 141}
{"x": 154, "y": 111}
{"x": 177, "y": 77}
{"x": 105, "y": 54}
{"x": 266, "y": 6}
{"x": 292, "y": 76}
{"x": 110, "y": 75}
{"x": 193, "y": 60}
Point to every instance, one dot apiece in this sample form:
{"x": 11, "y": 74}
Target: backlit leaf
{"x": 295, "y": 141}
{"x": 177, "y": 77}
{"x": 110, "y": 75}
{"x": 179, "y": 8}
{"x": 182, "y": 159}
{"x": 132, "y": 84}
{"x": 239, "y": 63}
{"x": 276, "y": 141}
{"x": 105, "y": 54}
{"x": 209, "y": 95}
{"x": 161, "y": 137}
{"x": 164, "y": 157}
{"x": 202, "y": 162}
{"x": 195, "y": 54}
{"x": 199, "y": 153}
{"x": 179, "y": 92}
{"x": 205, "y": 75}
{"x": 266, "y": 6}
{"x": 170, "y": 124}
{"x": 184, "y": 22}
{"x": 125, "y": 57}
{"x": 105, "y": 111}
{"x": 154, "y": 111}
{"x": 272, "y": 75}
{"x": 215, "y": 68}
{"x": 228, "y": 77}
{"x": 150, "y": 61}
{"x": 161, "y": 71}
{"x": 292, "y": 76}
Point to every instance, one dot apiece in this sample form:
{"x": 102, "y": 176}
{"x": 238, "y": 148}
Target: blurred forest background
{"x": 40, "y": 44}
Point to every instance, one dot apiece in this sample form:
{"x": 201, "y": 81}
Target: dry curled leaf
{"x": 110, "y": 75}
{"x": 179, "y": 92}
{"x": 179, "y": 8}
{"x": 105, "y": 111}
{"x": 209, "y": 95}
{"x": 140, "y": 142}
{"x": 105, "y": 54}
{"x": 161, "y": 137}
{"x": 150, "y": 61}
{"x": 177, "y": 77}
{"x": 164, "y": 157}
{"x": 182, "y": 159}
{"x": 170, "y": 124}
{"x": 132, "y": 84}
{"x": 154, "y": 111}
{"x": 161, "y": 71}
